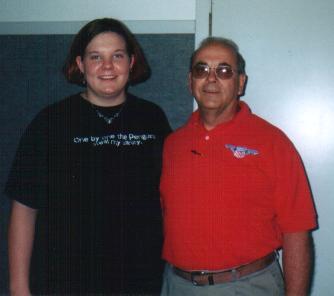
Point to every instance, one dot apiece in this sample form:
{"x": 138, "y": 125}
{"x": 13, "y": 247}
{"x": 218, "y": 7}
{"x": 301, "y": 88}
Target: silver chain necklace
{"x": 108, "y": 120}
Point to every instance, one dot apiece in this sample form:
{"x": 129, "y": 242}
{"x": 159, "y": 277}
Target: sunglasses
{"x": 223, "y": 71}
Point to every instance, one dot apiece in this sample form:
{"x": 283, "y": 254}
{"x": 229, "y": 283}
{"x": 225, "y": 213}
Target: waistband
{"x": 202, "y": 278}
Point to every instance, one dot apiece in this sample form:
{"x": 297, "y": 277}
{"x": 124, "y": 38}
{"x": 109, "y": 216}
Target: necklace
{"x": 108, "y": 120}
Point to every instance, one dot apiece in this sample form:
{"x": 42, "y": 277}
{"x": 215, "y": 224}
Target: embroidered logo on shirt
{"x": 241, "y": 152}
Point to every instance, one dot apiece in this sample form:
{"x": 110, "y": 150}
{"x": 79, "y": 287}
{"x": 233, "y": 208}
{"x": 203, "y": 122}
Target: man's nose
{"x": 212, "y": 76}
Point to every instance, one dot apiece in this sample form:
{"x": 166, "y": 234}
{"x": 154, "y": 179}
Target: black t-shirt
{"x": 96, "y": 186}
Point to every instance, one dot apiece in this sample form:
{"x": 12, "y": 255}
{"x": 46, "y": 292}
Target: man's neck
{"x": 211, "y": 118}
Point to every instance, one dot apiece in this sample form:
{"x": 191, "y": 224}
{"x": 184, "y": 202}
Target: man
{"x": 233, "y": 192}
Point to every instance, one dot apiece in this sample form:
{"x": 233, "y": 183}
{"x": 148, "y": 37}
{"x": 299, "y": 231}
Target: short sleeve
{"x": 28, "y": 178}
{"x": 294, "y": 203}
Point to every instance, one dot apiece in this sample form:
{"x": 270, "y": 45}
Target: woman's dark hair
{"x": 140, "y": 70}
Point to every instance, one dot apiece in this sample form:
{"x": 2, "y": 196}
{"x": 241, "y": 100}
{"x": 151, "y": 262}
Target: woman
{"x": 84, "y": 183}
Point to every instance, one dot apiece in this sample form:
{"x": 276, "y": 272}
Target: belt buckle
{"x": 197, "y": 273}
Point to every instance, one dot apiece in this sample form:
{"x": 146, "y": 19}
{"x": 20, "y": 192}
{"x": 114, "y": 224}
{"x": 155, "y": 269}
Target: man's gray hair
{"x": 241, "y": 64}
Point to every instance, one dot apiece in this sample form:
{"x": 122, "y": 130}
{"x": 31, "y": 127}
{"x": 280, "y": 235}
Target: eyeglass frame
{"x": 208, "y": 70}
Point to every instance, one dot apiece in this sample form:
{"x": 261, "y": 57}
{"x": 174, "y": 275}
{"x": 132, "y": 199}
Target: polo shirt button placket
{"x": 207, "y": 138}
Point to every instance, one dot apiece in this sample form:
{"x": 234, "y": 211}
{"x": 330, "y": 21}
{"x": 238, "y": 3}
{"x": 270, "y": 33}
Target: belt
{"x": 202, "y": 278}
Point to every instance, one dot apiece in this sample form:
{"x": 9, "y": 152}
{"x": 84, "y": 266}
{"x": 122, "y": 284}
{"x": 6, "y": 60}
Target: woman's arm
{"x": 20, "y": 242}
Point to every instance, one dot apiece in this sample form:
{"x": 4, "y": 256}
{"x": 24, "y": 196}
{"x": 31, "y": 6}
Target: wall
{"x": 30, "y": 79}
{"x": 80, "y": 10}
{"x": 34, "y": 38}
{"x": 288, "y": 47}
{"x": 67, "y": 16}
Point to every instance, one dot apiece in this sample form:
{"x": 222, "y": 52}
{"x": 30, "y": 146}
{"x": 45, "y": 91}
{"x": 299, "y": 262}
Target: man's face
{"x": 212, "y": 92}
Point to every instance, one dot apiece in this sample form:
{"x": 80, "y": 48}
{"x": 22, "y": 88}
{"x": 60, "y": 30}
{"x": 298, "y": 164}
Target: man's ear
{"x": 242, "y": 84}
{"x": 190, "y": 84}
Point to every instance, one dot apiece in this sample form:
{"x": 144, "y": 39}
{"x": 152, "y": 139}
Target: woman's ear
{"x": 132, "y": 62}
{"x": 80, "y": 64}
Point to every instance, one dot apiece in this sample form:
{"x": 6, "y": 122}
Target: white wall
{"x": 288, "y": 47}
{"x": 82, "y": 10}
{"x": 68, "y": 16}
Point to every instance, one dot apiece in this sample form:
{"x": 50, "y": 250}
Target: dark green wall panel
{"x": 30, "y": 79}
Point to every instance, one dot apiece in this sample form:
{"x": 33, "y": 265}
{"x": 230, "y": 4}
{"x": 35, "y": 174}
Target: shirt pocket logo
{"x": 240, "y": 151}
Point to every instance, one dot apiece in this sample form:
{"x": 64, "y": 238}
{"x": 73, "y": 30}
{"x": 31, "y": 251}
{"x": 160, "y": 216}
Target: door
{"x": 288, "y": 47}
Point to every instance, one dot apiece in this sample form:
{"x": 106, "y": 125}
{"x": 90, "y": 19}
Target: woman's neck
{"x": 104, "y": 101}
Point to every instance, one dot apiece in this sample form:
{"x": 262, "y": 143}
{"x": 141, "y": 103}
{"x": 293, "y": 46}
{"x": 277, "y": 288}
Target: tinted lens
{"x": 200, "y": 71}
{"x": 224, "y": 72}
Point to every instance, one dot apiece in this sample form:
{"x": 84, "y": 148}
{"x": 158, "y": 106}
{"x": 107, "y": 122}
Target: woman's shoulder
{"x": 65, "y": 103}
{"x": 57, "y": 110}
{"x": 148, "y": 113}
{"x": 144, "y": 104}
{"x": 64, "y": 106}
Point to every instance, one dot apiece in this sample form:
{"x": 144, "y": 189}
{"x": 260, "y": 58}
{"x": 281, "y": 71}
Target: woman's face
{"x": 106, "y": 67}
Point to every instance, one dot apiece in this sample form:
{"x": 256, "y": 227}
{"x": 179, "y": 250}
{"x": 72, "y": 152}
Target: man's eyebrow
{"x": 224, "y": 64}
{"x": 200, "y": 63}
{"x": 219, "y": 64}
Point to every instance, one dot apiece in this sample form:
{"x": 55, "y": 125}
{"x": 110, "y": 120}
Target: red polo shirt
{"x": 228, "y": 194}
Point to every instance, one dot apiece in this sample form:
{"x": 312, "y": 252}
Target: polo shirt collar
{"x": 244, "y": 112}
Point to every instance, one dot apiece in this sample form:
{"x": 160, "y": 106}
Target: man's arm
{"x": 297, "y": 262}
{"x": 20, "y": 241}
